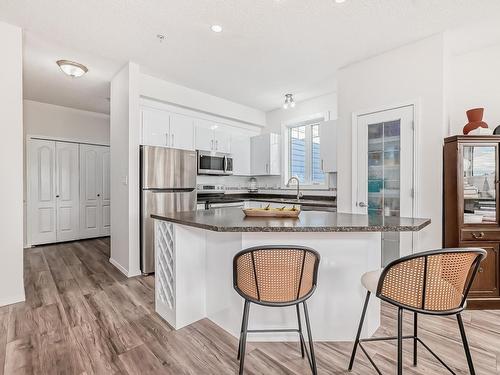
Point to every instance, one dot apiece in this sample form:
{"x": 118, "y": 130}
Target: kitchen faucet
{"x": 299, "y": 194}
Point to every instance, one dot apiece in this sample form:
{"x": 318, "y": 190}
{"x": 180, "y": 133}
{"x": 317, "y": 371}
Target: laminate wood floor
{"x": 82, "y": 316}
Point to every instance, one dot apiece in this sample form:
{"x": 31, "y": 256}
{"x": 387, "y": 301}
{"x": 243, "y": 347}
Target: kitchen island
{"x": 194, "y": 253}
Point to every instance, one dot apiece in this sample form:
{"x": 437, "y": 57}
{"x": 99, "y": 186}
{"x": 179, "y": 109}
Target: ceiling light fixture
{"x": 289, "y": 101}
{"x": 216, "y": 28}
{"x": 340, "y": 1}
{"x": 71, "y": 68}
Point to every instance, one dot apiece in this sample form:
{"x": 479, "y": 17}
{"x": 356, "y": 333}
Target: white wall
{"x": 474, "y": 81}
{"x": 11, "y": 165}
{"x": 65, "y": 123}
{"x": 411, "y": 73}
{"x": 124, "y": 141}
{"x": 155, "y": 88}
{"x": 320, "y": 104}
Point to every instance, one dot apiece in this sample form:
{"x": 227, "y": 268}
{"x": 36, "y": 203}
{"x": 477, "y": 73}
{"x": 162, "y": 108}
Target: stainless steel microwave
{"x": 214, "y": 163}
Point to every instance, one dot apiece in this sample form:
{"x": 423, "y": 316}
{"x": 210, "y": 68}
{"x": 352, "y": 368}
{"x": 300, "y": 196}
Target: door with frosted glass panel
{"x": 384, "y": 177}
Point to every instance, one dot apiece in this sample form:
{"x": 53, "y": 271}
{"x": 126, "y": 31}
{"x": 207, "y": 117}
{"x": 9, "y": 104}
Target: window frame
{"x": 286, "y": 128}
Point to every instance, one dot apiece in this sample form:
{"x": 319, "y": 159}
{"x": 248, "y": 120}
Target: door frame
{"x": 416, "y": 154}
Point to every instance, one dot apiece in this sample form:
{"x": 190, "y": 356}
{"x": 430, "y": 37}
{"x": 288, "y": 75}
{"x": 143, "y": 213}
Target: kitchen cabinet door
{"x": 155, "y": 127}
{"x": 240, "y": 145}
{"x": 42, "y": 191}
{"x": 67, "y": 189}
{"x": 181, "y": 132}
{"x": 204, "y": 137}
{"x": 222, "y": 140}
{"x": 265, "y": 154}
{"x": 260, "y": 155}
{"x": 328, "y": 146}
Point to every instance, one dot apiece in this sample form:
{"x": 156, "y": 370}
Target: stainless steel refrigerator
{"x": 168, "y": 183}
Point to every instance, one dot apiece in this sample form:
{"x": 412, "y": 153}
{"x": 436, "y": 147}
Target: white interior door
{"x": 384, "y": 180}
{"x": 104, "y": 193}
{"x": 42, "y": 191}
{"x": 67, "y": 188}
{"x": 90, "y": 205}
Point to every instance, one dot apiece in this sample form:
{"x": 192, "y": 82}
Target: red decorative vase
{"x": 475, "y": 117}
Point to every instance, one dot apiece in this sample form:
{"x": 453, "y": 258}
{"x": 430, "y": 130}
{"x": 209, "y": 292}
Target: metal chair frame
{"x": 481, "y": 254}
{"x": 248, "y": 300}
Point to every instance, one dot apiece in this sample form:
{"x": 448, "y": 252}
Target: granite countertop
{"x": 232, "y": 219}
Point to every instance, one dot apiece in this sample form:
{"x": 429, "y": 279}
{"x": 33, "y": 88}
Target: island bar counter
{"x": 194, "y": 254}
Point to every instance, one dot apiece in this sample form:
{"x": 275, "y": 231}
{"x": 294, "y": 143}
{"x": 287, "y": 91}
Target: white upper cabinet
{"x": 265, "y": 154}
{"x": 181, "y": 132}
{"x": 155, "y": 127}
{"x": 204, "y": 138}
{"x": 211, "y": 136}
{"x": 240, "y": 145}
{"x": 222, "y": 139}
{"x": 161, "y": 128}
{"x": 328, "y": 147}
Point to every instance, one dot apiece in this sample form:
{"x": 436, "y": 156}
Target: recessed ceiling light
{"x": 160, "y": 37}
{"x": 216, "y": 28}
{"x": 71, "y": 68}
{"x": 340, "y": 1}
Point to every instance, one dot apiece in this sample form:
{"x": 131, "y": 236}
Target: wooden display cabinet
{"x": 470, "y": 212}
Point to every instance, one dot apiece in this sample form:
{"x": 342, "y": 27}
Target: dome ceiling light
{"x": 71, "y": 68}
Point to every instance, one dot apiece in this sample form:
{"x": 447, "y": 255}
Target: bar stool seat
{"x": 369, "y": 280}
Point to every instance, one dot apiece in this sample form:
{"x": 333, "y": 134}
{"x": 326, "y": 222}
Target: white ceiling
{"x": 267, "y": 48}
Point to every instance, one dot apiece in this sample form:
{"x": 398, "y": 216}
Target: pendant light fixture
{"x": 289, "y": 101}
{"x": 71, "y": 68}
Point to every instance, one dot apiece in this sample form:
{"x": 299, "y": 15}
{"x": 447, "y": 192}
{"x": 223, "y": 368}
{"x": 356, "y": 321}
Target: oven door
{"x": 211, "y": 164}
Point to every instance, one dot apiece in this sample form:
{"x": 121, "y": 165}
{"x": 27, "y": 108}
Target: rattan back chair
{"x": 434, "y": 282}
{"x": 276, "y": 276}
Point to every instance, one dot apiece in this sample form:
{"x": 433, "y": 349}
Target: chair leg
{"x": 400, "y": 341}
{"x": 241, "y": 331}
{"x": 360, "y": 327}
{"x": 301, "y": 336}
{"x": 243, "y": 337}
{"x": 466, "y": 344}
{"x": 311, "y": 344}
{"x": 415, "y": 335}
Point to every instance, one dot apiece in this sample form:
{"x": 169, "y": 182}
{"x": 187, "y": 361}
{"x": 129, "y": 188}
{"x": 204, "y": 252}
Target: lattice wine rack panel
{"x": 165, "y": 263}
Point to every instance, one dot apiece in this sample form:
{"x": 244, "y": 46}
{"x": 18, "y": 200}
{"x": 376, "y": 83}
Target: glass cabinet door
{"x": 480, "y": 184}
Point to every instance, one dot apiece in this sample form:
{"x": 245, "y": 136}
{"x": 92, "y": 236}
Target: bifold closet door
{"x": 67, "y": 188}
{"x": 94, "y": 191}
{"x": 53, "y": 201}
{"x": 105, "y": 195}
{"x": 42, "y": 191}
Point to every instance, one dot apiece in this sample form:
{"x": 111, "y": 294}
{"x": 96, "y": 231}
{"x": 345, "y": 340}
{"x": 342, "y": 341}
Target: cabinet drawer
{"x": 479, "y": 235}
{"x": 487, "y": 278}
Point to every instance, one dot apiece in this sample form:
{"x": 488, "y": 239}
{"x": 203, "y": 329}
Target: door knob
{"x": 98, "y": 195}
{"x": 362, "y": 204}
{"x": 57, "y": 196}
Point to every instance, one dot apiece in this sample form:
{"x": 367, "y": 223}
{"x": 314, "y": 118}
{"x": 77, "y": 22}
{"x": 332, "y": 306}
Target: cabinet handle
{"x": 57, "y": 196}
{"x": 166, "y": 139}
{"x": 322, "y": 165}
{"x": 216, "y": 144}
{"x": 172, "y": 144}
{"x": 98, "y": 195}
{"x": 480, "y": 270}
{"x": 267, "y": 168}
{"x": 478, "y": 236}
{"x": 212, "y": 144}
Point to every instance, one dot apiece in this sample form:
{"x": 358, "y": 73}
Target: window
{"x": 304, "y": 160}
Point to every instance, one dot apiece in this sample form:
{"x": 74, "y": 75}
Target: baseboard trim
{"x": 12, "y": 299}
{"x": 119, "y": 266}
